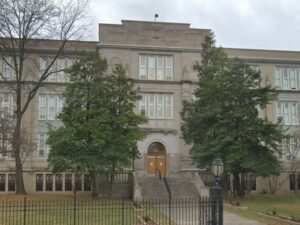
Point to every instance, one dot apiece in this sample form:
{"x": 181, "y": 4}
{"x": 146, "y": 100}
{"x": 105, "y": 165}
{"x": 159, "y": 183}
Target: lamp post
{"x": 216, "y": 193}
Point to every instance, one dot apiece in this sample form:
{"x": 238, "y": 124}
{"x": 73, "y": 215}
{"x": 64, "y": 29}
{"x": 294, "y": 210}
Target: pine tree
{"x": 100, "y": 129}
{"x": 224, "y": 120}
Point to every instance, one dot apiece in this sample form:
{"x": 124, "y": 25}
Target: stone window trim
{"x": 287, "y": 112}
{"x": 157, "y": 105}
{"x": 61, "y": 182}
{"x": 156, "y": 67}
{"x": 287, "y": 77}
{"x": 42, "y": 148}
{"x": 58, "y": 74}
{"x": 49, "y": 106}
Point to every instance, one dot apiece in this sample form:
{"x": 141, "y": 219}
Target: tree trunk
{"x": 112, "y": 178}
{"x": 226, "y": 186}
{"x": 20, "y": 188}
{"x": 243, "y": 188}
{"x": 237, "y": 189}
{"x": 295, "y": 183}
{"x": 94, "y": 185}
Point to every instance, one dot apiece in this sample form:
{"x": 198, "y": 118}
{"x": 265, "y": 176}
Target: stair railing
{"x": 159, "y": 174}
{"x": 170, "y": 198}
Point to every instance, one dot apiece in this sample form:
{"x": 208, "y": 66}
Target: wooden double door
{"x": 156, "y": 164}
{"x": 156, "y": 158}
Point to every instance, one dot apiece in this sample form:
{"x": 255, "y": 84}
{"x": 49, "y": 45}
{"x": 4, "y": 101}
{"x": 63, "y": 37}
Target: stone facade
{"x": 159, "y": 57}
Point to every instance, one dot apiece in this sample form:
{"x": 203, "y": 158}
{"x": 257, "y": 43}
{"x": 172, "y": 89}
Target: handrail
{"x": 167, "y": 186}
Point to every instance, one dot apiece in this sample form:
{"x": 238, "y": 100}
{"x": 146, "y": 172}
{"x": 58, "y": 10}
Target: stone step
{"x": 181, "y": 186}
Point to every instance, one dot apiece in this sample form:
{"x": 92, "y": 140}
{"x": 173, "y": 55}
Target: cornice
{"x": 160, "y": 130}
{"x": 149, "y": 48}
{"x": 161, "y": 82}
{"x": 269, "y": 60}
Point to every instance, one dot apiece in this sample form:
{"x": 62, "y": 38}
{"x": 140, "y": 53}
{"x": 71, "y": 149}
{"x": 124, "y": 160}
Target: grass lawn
{"x": 52, "y": 209}
{"x": 285, "y": 205}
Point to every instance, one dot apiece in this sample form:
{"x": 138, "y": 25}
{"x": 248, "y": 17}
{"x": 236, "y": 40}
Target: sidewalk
{"x": 232, "y": 219}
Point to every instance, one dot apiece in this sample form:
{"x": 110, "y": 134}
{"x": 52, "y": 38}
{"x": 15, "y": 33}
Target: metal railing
{"x": 196, "y": 211}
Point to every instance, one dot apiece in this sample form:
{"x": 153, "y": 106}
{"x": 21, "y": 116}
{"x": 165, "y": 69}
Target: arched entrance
{"x": 156, "y": 158}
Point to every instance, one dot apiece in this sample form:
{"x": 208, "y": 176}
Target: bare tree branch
{"x": 24, "y": 24}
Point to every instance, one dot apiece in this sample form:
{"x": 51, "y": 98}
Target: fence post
{"x": 24, "y": 223}
{"x": 199, "y": 210}
{"x": 170, "y": 209}
{"x": 123, "y": 208}
{"x": 216, "y": 198}
{"x": 74, "y": 209}
{"x": 170, "y": 198}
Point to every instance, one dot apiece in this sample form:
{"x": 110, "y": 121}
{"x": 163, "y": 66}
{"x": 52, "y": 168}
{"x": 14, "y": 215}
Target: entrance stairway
{"x": 152, "y": 187}
{"x": 181, "y": 186}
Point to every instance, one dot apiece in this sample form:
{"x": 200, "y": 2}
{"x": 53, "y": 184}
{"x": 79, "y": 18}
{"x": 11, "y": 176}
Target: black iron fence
{"x": 197, "y": 211}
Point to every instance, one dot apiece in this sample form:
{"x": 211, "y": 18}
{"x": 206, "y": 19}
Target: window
{"x": 287, "y": 113}
{"x": 68, "y": 182}
{"x": 292, "y": 181}
{"x": 56, "y": 70}
{"x": 78, "y": 181}
{"x": 7, "y": 104}
{"x": 39, "y": 182}
{"x": 42, "y": 107}
{"x": 259, "y": 112}
{"x": 7, "y": 69}
{"x": 155, "y": 67}
{"x": 255, "y": 67}
{"x": 156, "y": 106}
{"x": 11, "y": 182}
{"x": 289, "y": 148}
{"x": 50, "y": 106}
{"x": 58, "y": 182}
{"x": 287, "y": 78}
{"x": 60, "y": 104}
{"x": 87, "y": 182}
{"x": 2, "y": 182}
{"x": 43, "y": 149}
{"x": 49, "y": 182}
{"x": 61, "y": 65}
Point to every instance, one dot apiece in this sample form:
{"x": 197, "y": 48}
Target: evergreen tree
{"x": 100, "y": 129}
{"x": 224, "y": 120}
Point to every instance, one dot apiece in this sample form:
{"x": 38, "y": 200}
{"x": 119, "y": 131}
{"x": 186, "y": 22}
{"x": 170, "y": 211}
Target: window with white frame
{"x": 49, "y": 106}
{"x": 7, "y": 104}
{"x": 259, "y": 111}
{"x": 155, "y": 67}
{"x": 157, "y": 105}
{"x": 287, "y": 113}
{"x": 42, "y": 148}
{"x": 6, "y": 69}
{"x": 290, "y": 148}
{"x": 287, "y": 78}
{"x": 254, "y": 67}
{"x": 57, "y": 69}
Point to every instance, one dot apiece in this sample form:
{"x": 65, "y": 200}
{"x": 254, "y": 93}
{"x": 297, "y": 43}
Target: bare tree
{"x": 23, "y": 23}
{"x": 292, "y": 148}
{"x": 291, "y": 155}
{"x": 7, "y": 126}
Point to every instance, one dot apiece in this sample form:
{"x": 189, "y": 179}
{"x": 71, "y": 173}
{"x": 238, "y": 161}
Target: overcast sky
{"x": 263, "y": 24}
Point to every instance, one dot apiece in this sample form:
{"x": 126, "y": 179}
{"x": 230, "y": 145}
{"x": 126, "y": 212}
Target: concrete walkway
{"x": 233, "y": 219}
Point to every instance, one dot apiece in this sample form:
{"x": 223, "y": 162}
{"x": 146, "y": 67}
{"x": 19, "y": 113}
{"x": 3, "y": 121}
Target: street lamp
{"x": 217, "y": 167}
{"x": 216, "y": 195}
